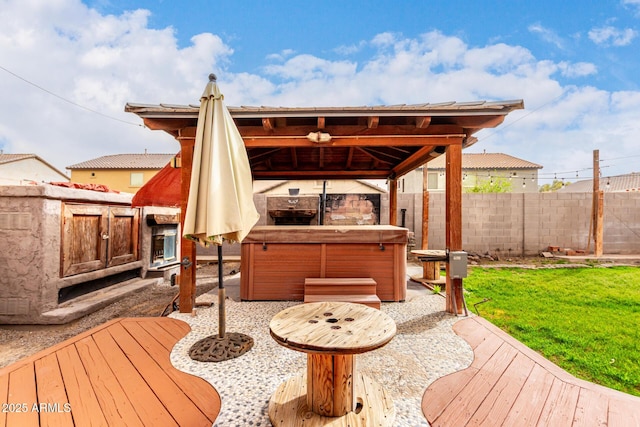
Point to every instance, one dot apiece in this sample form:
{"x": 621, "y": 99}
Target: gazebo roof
{"x": 378, "y": 142}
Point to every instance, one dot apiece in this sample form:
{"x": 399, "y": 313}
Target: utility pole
{"x": 597, "y": 206}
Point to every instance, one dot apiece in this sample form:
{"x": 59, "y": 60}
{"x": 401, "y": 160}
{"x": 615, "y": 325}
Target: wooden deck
{"x": 509, "y": 384}
{"x": 118, "y": 374}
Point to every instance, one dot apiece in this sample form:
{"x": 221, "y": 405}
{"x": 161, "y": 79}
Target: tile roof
{"x": 486, "y": 161}
{"x": 126, "y": 161}
{"x": 609, "y": 184}
{"x": 8, "y": 158}
{"x": 442, "y": 108}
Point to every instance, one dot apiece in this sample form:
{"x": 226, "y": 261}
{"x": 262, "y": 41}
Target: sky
{"x": 68, "y": 68}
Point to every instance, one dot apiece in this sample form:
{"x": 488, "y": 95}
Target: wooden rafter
{"x": 372, "y": 122}
{"x": 268, "y": 124}
{"x": 372, "y": 155}
{"x": 423, "y": 122}
{"x": 321, "y": 122}
{"x": 349, "y": 158}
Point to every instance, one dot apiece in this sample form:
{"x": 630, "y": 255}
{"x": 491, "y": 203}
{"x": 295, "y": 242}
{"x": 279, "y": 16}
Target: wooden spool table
{"x": 331, "y": 333}
{"x": 430, "y": 260}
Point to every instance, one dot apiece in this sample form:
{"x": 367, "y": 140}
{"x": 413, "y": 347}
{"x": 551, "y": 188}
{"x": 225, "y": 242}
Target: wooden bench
{"x": 333, "y": 289}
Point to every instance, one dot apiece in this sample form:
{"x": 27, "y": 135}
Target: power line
{"x": 67, "y": 100}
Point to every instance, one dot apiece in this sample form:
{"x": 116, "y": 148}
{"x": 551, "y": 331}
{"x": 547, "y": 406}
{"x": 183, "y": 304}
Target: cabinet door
{"x": 84, "y": 238}
{"x": 123, "y": 235}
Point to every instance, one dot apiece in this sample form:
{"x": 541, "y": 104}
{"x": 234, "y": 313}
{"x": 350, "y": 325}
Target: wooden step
{"x": 360, "y": 290}
{"x": 369, "y": 300}
{"x": 339, "y": 285}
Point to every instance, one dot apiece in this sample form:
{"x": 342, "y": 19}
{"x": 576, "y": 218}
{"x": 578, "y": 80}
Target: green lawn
{"x": 586, "y": 320}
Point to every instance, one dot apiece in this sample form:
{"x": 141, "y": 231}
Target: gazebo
{"x": 381, "y": 142}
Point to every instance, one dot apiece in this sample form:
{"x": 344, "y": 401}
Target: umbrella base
{"x": 216, "y": 349}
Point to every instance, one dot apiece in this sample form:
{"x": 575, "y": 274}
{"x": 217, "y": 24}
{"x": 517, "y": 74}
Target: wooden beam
{"x": 425, "y": 208}
{"x": 393, "y": 201}
{"x": 423, "y": 122}
{"x": 187, "y": 277}
{"x": 372, "y": 154}
{"x": 280, "y": 129}
{"x": 372, "y": 122}
{"x": 268, "y": 124}
{"x": 318, "y": 174}
{"x": 355, "y": 141}
{"x": 479, "y": 122}
{"x": 414, "y": 161}
{"x": 349, "y": 158}
{"x": 453, "y": 225}
{"x": 321, "y": 122}
{"x": 294, "y": 158}
{"x": 171, "y": 127}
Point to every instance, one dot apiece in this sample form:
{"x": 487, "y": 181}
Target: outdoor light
{"x": 319, "y": 137}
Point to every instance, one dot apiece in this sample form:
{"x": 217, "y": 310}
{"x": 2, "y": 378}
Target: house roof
{"x": 487, "y": 161}
{"x": 340, "y": 142}
{"x": 10, "y": 158}
{"x": 125, "y": 161}
{"x": 609, "y": 184}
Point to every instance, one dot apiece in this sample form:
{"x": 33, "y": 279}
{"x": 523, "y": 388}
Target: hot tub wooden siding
{"x": 277, "y": 259}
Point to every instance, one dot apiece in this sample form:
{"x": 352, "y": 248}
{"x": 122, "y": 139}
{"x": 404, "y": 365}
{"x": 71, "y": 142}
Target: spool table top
{"x": 332, "y": 328}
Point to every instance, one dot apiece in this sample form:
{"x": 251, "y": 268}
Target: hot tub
{"x": 277, "y": 259}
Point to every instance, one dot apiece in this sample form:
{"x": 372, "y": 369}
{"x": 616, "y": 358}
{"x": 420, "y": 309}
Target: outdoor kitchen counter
{"x": 277, "y": 259}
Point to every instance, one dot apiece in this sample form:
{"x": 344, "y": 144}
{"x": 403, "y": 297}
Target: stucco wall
{"x": 114, "y": 179}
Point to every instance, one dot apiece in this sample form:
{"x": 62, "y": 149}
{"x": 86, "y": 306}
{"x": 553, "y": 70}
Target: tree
{"x": 494, "y": 185}
{"x": 554, "y": 186}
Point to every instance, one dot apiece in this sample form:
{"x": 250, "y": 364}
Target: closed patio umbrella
{"x": 220, "y": 203}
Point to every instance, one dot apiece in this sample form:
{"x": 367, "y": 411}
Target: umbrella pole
{"x": 221, "y": 296}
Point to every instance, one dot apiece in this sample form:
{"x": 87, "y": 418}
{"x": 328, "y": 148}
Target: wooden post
{"x": 598, "y": 206}
{"x": 393, "y": 201}
{"x": 187, "y": 276}
{"x": 330, "y": 384}
{"x": 599, "y": 228}
{"x": 453, "y": 228}
{"x": 430, "y": 270}
{"x": 425, "y": 208}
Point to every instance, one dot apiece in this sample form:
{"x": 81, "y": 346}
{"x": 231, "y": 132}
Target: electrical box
{"x": 457, "y": 265}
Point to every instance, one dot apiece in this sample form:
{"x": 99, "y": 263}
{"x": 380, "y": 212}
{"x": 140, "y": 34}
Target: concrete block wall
{"x": 511, "y": 224}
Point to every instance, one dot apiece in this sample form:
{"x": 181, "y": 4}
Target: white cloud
{"x": 633, "y": 4}
{"x": 547, "y": 35}
{"x": 612, "y": 36}
{"x": 579, "y": 69}
{"x": 102, "y": 62}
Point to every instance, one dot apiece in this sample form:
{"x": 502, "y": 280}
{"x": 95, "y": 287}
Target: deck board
{"x": 118, "y": 374}
{"x": 509, "y": 384}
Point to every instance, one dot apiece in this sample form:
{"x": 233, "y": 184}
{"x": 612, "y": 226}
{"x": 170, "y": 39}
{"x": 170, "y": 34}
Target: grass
{"x": 586, "y": 320}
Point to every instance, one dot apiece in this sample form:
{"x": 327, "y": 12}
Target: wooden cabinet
{"x": 277, "y": 259}
{"x": 95, "y": 237}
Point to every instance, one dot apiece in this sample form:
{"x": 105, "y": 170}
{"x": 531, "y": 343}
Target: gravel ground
{"x": 18, "y": 341}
